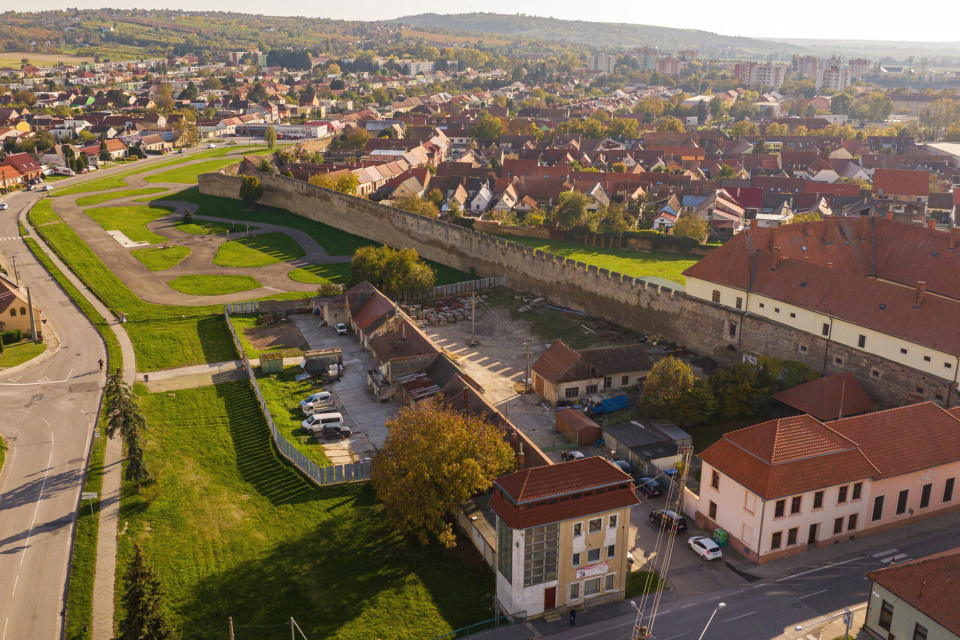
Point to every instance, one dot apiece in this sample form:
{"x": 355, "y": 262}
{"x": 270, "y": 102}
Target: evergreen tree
{"x": 143, "y": 603}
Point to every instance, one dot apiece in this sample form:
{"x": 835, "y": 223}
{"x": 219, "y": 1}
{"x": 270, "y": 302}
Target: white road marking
{"x": 43, "y": 485}
{"x": 15, "y": 581}
{"x": 829, "y": 566}
{"x": 900, "y": 557}
{"x": 888, "y": 552}
{"x": 4, "y": 637}
{"x": 738, "y": 617}
{"x": 810, "y": 595}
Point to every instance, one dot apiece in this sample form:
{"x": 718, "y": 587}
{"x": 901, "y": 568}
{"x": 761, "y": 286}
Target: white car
{"x": 3, "y": 206}
{"x": 47, "y": 187}
{"x": 320, "y": 396}
{"x": 211, "y": 146}
{"x": 705, "y": 547}
{"x": 341, "y": 329}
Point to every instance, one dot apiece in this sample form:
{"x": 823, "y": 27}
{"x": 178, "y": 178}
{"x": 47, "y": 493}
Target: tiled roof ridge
{"x": 856, "y": 445}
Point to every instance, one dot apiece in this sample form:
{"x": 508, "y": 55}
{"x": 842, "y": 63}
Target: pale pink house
{"x": 781, "y": 487}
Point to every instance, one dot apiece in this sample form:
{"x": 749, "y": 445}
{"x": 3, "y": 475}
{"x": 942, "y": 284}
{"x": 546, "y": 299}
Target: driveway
{"x": 361, "y": 411}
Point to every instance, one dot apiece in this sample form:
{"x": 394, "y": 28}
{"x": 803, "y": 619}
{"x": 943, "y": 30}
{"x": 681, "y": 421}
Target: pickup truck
{"x": 607, "y": 405}
{"x": 312, "y": 408}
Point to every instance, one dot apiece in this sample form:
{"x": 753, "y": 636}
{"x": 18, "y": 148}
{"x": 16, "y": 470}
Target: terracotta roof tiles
{"x": 827, "y": 398}
{"x": 929, "y": 585}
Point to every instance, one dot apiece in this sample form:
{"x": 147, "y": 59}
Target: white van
{"x": 325, "y": 406}
{"x": 318, "y": 421}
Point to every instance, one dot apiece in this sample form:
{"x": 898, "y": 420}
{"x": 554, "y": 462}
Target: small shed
{"x": 320, "y": 360}
{"x": 271, "y": 363}
{"x": 571, "y": 421}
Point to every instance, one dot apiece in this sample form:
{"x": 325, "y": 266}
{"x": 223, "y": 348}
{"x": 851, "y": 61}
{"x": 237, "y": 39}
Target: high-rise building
{"x": 809, "y": 66}
{"x": 768, "y": 76}
{"x": 687, "y": 55}
{"x": 602, "y": 62}
{"x": 669, "y": 66}
{"x": 858, "y": 67}
{"x": 835, "y": 78}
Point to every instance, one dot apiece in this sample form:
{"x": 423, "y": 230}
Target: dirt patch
{"x": 284, "y": 337}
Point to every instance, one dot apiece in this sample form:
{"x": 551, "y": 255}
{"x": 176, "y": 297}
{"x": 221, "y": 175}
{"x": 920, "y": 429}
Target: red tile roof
{"x": 560, "y": 362}
{"x": 929, "y": 585}
{"x": 829, "y": 397}
{"x": 377, "y": 307}
{"x": 901, "y": 182}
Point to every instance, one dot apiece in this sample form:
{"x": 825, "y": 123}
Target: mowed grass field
{"x": 322, "y": 273}
{"x": 669, "y": 266}
{"x": 100, "y": 198}
{"x": 212, "y": 285}
{"x": 14, "y": 354}
{"x": 258, "y": 251}
{"x": 234, "y": 531}
{"x": 131, "y": 220}
{"x": 161, "y": 259}
{"x": 187, "y": 174}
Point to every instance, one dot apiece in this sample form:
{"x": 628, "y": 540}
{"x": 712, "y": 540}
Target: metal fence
{"x": 334, "y": 474}
{"x": 502, "y": 620}
{"x": 467, "y": 286}
{"x": 252, "y": 306}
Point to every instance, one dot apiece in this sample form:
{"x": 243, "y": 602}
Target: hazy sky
{"x": 876, "y": 20}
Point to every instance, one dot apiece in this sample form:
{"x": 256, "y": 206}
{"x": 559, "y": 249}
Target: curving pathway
{"x": 152, "y": 286}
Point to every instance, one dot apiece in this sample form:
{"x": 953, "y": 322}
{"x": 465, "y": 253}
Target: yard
{"x": 14, "y": 354}
{"x": 637, "y": 264}
{"x": 131, "y": 220}
{"x": 258, "y": 251}
{"x": 280, "y": 337}
{"x": 234, "y": 531}
{"x": 283, "y": 395}
{"x": 161, "y": 259}
{"x": 201, "y": 285}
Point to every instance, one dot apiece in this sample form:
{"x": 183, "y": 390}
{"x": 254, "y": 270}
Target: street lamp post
{"x": 720, "y": 605}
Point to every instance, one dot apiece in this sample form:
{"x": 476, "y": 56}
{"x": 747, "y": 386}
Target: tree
{"x": 618, "y": 167}
{"x": 357, "y": 139}
{"x": 725, "y": 171}
{"x": 433, "y": 460}
{"x": 417, "y": 205}
{"x": 124, "y": 417}
{"x": 270, "y": 137}
{"x": 104, "y": 153}
{"x": 670, "y": 124}
{"x": 744, "y": 128}
{"x": 164, "y": 97}
{"x": 143, "y": 603}
{"x": 735, "y": 391}
{"x": 760, "y": 147}
{"x": 346, "y": 183}
{"x": 489, "y": 128}
{"x": 394, "y": 272}
{"x": 674, "y": 392}
{"x": 436, "y": 197}
{"x": 572, "y": 209}
{"x": 250, "y": 190}
{"x": 692, "y": 225}
{"x": 265, "y": 166}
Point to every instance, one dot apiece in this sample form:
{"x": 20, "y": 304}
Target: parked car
{"x": 571, "y": 455}
{"x": 318, "y": 421}
{"x": 331, "y": 432}
{"x": 182, "y": 151}
{"x": 341, "y": 329}
{"x": 649, "y": 487}
{"x": 624, "y": 466}
{"x": 705, "y": 547}
{"x": 47, "y": 187}
{"x": 211, "y": 146}
{"x": 668, "y": 518}
{"x": 320, "y": 396}
{"x": 325, "y": 406}
{"x": 3, "y": 206}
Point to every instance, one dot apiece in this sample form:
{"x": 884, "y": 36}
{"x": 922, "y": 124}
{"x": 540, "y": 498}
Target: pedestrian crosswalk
{"x": 891, "y": 556}
{"x": 9, "y": 238}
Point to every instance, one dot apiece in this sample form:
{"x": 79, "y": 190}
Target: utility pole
{"x": 473, "y": 319}
{"x": 16, "y": 274}
{"x": 230, "y": 619}
{"x": 33, "y": 321}
{"x": 526, "y": 380}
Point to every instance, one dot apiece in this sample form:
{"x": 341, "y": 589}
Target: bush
{"x": 12, "y": 336}
{"x": 188, "y": 218}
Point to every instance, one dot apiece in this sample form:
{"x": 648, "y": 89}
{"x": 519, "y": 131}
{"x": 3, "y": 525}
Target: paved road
{"x": 47, "y": 414}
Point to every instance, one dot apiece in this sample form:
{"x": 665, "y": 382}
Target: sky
{"x": 874, "y": 20}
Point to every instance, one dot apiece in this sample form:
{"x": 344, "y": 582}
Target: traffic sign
{"x": 89, "y": 495}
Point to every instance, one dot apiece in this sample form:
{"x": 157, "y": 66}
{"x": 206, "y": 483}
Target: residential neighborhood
{"x": 476, "y": 325}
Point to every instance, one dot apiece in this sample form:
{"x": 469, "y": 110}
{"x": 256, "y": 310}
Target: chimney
{"x": 889, "y": 214}
{"x": 777, "y": 257}
{"x": 954, "y": 237}
{"x": 931, "y": 224}
{"x": 829, "y": 265}
{"x": 403, "y": 330}
{"x": 921, "y": 292}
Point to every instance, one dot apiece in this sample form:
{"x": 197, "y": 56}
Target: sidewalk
{"x": 201, "y": 375}
{"x": 104, "y": 578}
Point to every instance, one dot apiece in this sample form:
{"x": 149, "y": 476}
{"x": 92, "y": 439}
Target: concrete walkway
{"x": 201, "y": 375}
{"x": 104, "y": 579}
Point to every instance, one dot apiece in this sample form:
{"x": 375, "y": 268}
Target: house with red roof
{"x": 562, "y": 374}
{"x": 902, "y": 190}
{"x": 562, "y": 535}
{"x": 29, "y": 168}
{"x": 785, "y": 486}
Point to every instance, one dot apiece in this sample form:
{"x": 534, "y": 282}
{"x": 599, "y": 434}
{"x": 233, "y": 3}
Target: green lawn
{"x": 203, "y": 227}
{"x": 161, "y": 259}
{"x": 641, "y": 582}
{"x": 14, "y": 354}
{"x": 131, "y": 220}
{"x": 258, "y": 251}
{"x": 196, "y": 285}
{"x": 3, "y": 452}
{"x": 322, "y": 273}
{"x": 100, "y": 198}
{"x": 42, "y": 213}
{"x": 234, "y": 531}
{"x": 187, "y": 174}
{"x": 629, "y": 263}
{"x": 283, "y": 395}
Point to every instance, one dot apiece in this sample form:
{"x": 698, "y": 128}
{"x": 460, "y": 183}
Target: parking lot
{"x": 361, "y": 412}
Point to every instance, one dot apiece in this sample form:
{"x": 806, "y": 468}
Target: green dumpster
{"x": 720, "y": 536}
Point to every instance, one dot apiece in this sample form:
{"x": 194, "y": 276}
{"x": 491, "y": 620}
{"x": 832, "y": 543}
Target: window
{"x": 575, "y": 591}
{"x": 715, "y": 480}
{"x": 793, "y": 315}
{"x": 886, "y": 616}
{"x": 925, "y": 495}
{"x": 591, "y": 587}
{"x": 818, "y": 500}
{"x": 716, "y": 295}
{"x": 919, "y": 632}
{"x": 795, "y": 504}
{"x": 776, "y": 309}
{"x": 902, "y": 501}
{"x": 803, "y": 348}
{"x": 877, "y": 508}
{"x": 612, "y": 523}
{"x": 857, "y": 489}
{"x": 23, "y": 311}
{"x": 572, "y": 392}
{"x": 607, "y": 382}
{"x": 577, "y": 529}
{"x": 762, "y": 305}
{"x": 780, "y": 509}
{"x": 739, "y": 302}
{"x": 13, "y": 312}
{"x": 593, "y": 555}
{"x": 842, "y": 496}
{"x": 541, "y": 552}
{"x": 595, "y": 525}
{"x": 838, "y": 361}
{"x": 733, "y": 329}
{"x": 826, "y": 329}
{"x": 852, "y": 522}
{"x": 504, "y": 541}
{"x": 862, "y": 341}
{"x": 591, "y": 388}
{"x": 608, "y": 585}
{"x": 938, "y": 396}
{"x": 792, "y": 536}
{"x": 576, "y": 560}
{"x": 775, "y": 540}
{"x": 612, "y": 551}
{"x": 625, "y": 380}
{"x": 875, "y": 373}
{"x": 713, "y": 510}
{"x": 926, "y": 358}
{"x": 948, "y": 490}
{"x": 838, "y": 526}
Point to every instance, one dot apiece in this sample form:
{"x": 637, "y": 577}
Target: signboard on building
{"x": 592, "y": 570}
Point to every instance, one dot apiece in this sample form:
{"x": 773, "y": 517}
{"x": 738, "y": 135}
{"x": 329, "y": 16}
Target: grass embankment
{"x": 83, "y": 564}
{"x": 322, "y": 273}
{"x": 258, "y": 251}
{"x": 161, "y": 259}
{"x": 3, "y": 453}
{"x": 641, "y": 582}
{"x": 187, "y": 174}
{"x": 203, "y": 228}
{"x": 100, "y": 198}
{"x": 42, "y": 213}
{"x": 201, "y": 285}
{"x": 637, "y": 264}
{"x": 14, "y": 354}
{"x": 283, "y": 395}
{"x": 234, "y": 531}
{"x": 132, "y": 221}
